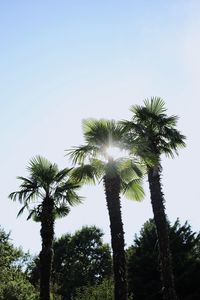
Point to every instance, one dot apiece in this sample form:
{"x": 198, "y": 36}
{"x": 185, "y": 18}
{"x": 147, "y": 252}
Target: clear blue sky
{"x": 68, "y": 60}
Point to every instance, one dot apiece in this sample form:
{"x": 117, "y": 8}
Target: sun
{"x": 114, "y": 152}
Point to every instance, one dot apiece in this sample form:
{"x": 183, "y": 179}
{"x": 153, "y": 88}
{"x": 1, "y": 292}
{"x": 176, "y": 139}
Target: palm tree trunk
{"x": 157, "y": 200}
{"x": 112, "y": 191}
{"x": 46, "y": 254}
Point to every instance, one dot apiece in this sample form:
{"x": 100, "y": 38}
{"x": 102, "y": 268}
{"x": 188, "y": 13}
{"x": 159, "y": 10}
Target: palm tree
{"x": 95, "y": 164}
{"x": 151, "y": 133}
{"x": 47, "y": 194}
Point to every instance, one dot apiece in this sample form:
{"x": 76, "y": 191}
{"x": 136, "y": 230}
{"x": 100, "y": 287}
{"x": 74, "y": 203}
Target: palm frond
{"x": 99, "y": 167}
{"x": 102, "y": 132}
{"x": 81, "y": 153}
{"x": 69, "y": 184}
{"x": 62, "y": 174}
{"x": 42, "y": 170}
{"x": 25, "y": 180}
{"x": 72, "y": 198}
{"x": 155, "y": 105}
{"x": 39, "y": 162}
{"x": 33, "y": 215}
{"x": 22, "y": 210}
{"x": 23, "y": 195}
{"x": 61, "y": 211}
{"x": 166, "y": 121}
{"x": 129, "y": 169}
{"x": 86, "y": 174}
{"x": 133, "y": 190}
{"x": 29, "y": 185}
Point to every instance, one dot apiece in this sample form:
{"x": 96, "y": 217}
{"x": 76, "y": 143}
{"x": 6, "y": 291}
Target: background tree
{"x": 54, "y": 192}
{"x": 143, "y": 272}
{"x": 100, "y": 291}
{"x": 151, "y": 133}
{"x": 118, "y": 175}
{"x": 14, "y": 284}
{"x": 81, "y": 259}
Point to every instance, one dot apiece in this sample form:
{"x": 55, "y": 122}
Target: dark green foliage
{"x": 102, "y": 291}
{"x": 80, "y": 260}
{"x": 14, "y": 284}
{"x": 143, "y": 270}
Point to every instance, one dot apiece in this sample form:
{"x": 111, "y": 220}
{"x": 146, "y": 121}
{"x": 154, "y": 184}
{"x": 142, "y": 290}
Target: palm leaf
{"x": 85, "y": 174}
{"x": 102, "y": 132}
{"x": 133, "y": 190}
{"x": 129, "y": 169}
{"x": 61, "y": 211}
{"x": 60, "y": 176}
{"x": 72, "y": 198}
{"x": 42, "y": 170}
{"x": 35, "y": 214}
{"x": 81, "y": 153}
{"x": 22, "y": 210}
{"x": 155, "y": 105}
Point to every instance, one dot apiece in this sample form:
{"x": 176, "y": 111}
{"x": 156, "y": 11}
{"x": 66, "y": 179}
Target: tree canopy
{"x": 80, "y": 259}
{"x": 143, "y": 270}
{"x": 14, "y": 284}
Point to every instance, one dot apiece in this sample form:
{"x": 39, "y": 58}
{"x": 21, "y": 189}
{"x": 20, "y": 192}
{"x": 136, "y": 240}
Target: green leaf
{"x": 133, "y": 190}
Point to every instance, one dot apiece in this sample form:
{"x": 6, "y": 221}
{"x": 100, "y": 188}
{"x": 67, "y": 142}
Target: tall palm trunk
{"x": 112, "y": 191}
{"x": 46, "y": 254}
{"x": 157, "y": 200}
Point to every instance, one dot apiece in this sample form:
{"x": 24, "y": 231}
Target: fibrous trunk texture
{"x": 112, "y": 191}
{"x": 162, "y": 228}
{"x": 46, "y": 254}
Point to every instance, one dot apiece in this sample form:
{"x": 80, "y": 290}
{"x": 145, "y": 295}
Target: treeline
{"x": 82, "y": 267}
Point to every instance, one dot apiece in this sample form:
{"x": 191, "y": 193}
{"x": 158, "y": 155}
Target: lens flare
{"x": 114, "y": 152}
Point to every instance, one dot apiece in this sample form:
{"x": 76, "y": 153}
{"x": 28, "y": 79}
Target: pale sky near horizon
{"x": 64, "y": 61}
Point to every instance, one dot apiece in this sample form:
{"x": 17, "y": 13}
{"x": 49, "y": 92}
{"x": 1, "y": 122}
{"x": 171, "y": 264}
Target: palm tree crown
{"x": 151, "y": 131}
{"x": 94, "y": 161}
{"x": 45, "y": 180}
